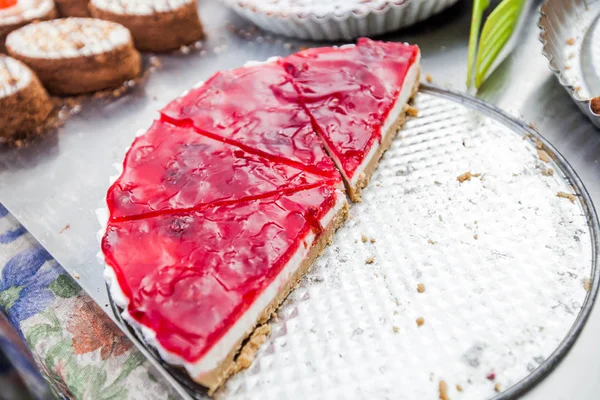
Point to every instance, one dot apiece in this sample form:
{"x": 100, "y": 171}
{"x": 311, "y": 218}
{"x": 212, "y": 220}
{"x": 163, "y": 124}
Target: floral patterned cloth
{"x": 76, "y": 352}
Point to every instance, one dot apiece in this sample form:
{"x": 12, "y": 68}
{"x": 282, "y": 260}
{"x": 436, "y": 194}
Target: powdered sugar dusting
{"x": 68, "y": 38}
{"x": 25, "y": 10}
{"x": 14, "y": 76}
{"x": 139, "y": 7}
{"x": 502, "y": 257}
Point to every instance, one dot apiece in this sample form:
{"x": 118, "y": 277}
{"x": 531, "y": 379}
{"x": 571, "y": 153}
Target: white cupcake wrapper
{"x": 348, "y": 26}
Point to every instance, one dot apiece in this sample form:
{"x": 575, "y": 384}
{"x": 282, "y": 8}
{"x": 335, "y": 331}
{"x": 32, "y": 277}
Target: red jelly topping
{"x": 349, "y": 92}
{"x": 7, "y": 3}
{"x": 257, "y": 109}
{"x": 190, "y": 275}
{"x": 173, "y": 168}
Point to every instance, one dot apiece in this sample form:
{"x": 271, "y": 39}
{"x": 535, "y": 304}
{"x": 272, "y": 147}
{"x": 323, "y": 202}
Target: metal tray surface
{"x": 505, "y": 264}
{"x": 472, "y": 315}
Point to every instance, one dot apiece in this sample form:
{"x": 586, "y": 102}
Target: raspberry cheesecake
{"x": 225, "y": 202}
{"x": 356, "y": 96}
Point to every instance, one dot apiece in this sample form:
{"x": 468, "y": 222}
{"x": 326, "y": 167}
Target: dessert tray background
{"x": 349, "y": 329}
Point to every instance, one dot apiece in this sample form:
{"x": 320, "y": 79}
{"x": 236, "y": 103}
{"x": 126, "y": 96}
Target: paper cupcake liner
{"x": 345, "y": 26}
{"x": 571, "y": 47}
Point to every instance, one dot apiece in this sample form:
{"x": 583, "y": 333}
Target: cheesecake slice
{"x": 356, "y": 97}
{"x": 257, "y": 109}
{"x": 225, "y": 202}
{"x": 197, "y": 283}
{"x": 176, "y": 168}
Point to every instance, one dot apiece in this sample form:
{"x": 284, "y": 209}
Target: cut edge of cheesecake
{"x": 393, "y": 124}
{"x": 240, "y": 354}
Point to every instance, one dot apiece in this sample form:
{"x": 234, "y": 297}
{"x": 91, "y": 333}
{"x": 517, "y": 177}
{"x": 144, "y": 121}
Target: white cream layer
{"x": 403, "y": 97}
{"x": 221, "y": 349}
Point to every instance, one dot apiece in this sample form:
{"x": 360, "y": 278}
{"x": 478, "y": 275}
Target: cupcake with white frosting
{"x": 156, "y": 25}
{"x": 76, "y": 55}
{"x": 24, "y": 102}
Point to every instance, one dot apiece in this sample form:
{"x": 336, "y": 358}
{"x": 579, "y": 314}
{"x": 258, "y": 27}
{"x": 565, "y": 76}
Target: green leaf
{"x": 9, "y": 297}
{"x": 479, "y": 6}
{"x": 64, "y": 286}
{"x": 40, "y": 331}
{"x": 498, "y": 28}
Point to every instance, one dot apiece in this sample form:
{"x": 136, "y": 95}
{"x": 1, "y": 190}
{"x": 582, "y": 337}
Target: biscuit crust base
{"x": 84, "y": 74}
{"x": 159, "y": 32}
{"x": 24, "y": 110}
{"x": 242, "y": 354}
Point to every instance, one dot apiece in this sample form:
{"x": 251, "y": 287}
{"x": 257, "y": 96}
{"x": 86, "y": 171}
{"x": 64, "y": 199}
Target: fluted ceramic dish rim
{"x": 283, "y": 23}
{"x": 550, "y": 51}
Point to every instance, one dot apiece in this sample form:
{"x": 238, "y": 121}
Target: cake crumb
{"x": 467, "y": 176}
{"x": 76, "y": 275}
{"x": 412, "y": 111}
{"x": 566, "y": 196}
{"x": 246, "y": 356}
{"x": 571, "y": 41}
{"x": 577, "y": 88}
{"x": 595, "y": 105}
{"x": 420, "y": 288}
{"x": 363, "y": 238}
{"x": 372, "y": 240}
{"x": 475, "y": 236}
{"x": 525, "y": 137}
{"x": 548, "y": 172}
{"x": 430, "y": 241}
{"x": 443, "y": 387}
{"x": 67, "y": 226}
{"x": 532, "y": 126}
{"x": 587, "y": 285}
{"x": 155, "y": 62}
{"x": 543, "y": 156}
{"x": 428, "y": 78}
{"x": 497, "y": 387}
{"x": 396, "y": 329}
{"x": 420, "y": 321}
{"x": 370, "y": 260}
{"x": 459, "y": 388}
{"x": 491, "y": 376}
{"x": 539, "y": 144}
